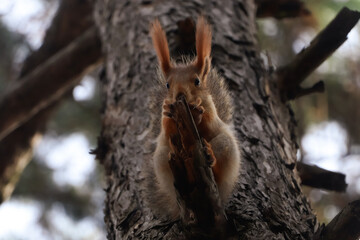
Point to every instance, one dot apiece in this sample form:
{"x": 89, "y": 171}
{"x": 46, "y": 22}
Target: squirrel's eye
{"x": 197, "y": 82}
{"x": 167, "y": 85}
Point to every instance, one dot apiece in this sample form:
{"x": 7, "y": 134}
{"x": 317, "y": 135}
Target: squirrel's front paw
{"x": 197, "y": 110}
{"x": 210, "y": 156}
{"x": 168, "y": 109}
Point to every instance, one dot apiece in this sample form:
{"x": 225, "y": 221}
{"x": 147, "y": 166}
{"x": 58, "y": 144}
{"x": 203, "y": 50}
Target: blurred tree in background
{"x": 9, "y": 43}
{"x": 79, "y": 114}
{"x": 336, "y": 109}
{"x": 65, "y": 208}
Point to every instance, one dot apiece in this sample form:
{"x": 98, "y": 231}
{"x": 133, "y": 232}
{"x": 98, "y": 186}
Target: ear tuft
{"x": 203, "y": 42}
{"x": 206, "y": 68}
{"x": 161, "y": 46}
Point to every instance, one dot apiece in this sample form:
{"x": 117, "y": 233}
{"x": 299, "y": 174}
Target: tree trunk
{"x": 268, "y": 202}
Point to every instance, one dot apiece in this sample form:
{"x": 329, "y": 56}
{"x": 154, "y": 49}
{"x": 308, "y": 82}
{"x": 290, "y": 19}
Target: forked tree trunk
{"x": 267, "y": 202}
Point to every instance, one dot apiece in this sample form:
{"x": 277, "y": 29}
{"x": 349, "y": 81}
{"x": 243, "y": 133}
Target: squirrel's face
{"x": 187, "y": 81}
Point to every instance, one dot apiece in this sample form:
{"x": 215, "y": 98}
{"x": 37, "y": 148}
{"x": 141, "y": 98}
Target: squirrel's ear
{"x": 203, "y": 44}
{"x": 161, "y": 46}
{"x": 206, "y": 68}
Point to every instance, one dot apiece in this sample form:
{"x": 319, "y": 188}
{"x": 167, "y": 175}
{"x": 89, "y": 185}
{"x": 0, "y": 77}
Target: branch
{"x": 281, "y": 9}
{"x": 316, "y": 177}
{"x": 194, "y": 182}
{"x": 326, "y": 42}
{"x": 71, "y": 20}
{"x": 49, "y": 82}
{"x": 345, "y": 225}
{"x": 318, "y": 87}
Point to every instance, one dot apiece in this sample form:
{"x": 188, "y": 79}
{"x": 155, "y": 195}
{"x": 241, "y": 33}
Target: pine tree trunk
{"x": 268, "y": 202}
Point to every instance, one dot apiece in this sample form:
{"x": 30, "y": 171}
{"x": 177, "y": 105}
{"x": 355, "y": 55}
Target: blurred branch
{"x": 281, "y": 8}
{"x": 72, "y": 19}
{"x": 318, "y": 87}
{"x": 37, "y": 183}
{"x": 49, "y": 82}
{"x": 321, "y": 47}
{"x": 344, "y": 226}
{"x": 316, "y": 177}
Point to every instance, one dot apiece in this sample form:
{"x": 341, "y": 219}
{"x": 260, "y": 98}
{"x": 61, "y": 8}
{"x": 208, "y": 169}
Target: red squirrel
{"x": 206, "y": 92}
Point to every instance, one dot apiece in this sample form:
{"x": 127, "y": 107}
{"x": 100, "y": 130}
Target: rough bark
{"x": 267, "y": 202}
{"x": 71, "y": 20}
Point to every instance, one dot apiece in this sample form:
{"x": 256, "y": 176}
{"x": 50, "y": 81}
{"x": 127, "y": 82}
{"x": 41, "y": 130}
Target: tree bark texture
{"x": 267, "y": 202}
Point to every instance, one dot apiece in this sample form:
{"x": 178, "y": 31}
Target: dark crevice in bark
{"x": 185, "y": 36}
{"x": 281, "y": 9}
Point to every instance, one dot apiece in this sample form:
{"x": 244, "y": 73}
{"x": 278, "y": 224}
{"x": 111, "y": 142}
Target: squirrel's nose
{"x": 180, "y": 95}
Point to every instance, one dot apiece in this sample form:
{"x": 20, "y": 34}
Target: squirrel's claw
{"x": 168, "y": 114}
{"x": 168, "y": 109}
{"x": 197, "y": 111}
{"x": 200, "y": 109}
{"x": 196, "y": 104}
{"x": 210, "y": 157}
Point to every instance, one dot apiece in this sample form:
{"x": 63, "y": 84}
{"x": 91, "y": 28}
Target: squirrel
{"x": 208, "y": 96}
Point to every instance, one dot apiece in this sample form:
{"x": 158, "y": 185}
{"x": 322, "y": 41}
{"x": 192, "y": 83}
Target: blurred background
{"x": 328, "y": 124}
{"x": 60, "y": 193}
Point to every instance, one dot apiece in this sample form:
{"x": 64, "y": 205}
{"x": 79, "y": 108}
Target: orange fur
{"x": 203, "y": 127}
{"x": 203, "y": 42}
{"x": 169, "y": 126}
{"x": 190, "y": 79}
{"x": 161, "y": 46}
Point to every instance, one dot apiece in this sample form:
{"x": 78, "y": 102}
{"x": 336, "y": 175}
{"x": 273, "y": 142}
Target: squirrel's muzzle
{"x": 180, "y": 96}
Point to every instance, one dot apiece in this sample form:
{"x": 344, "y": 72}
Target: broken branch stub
{"x": 316, "y": 177}
{"x": 344, "y": 226}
